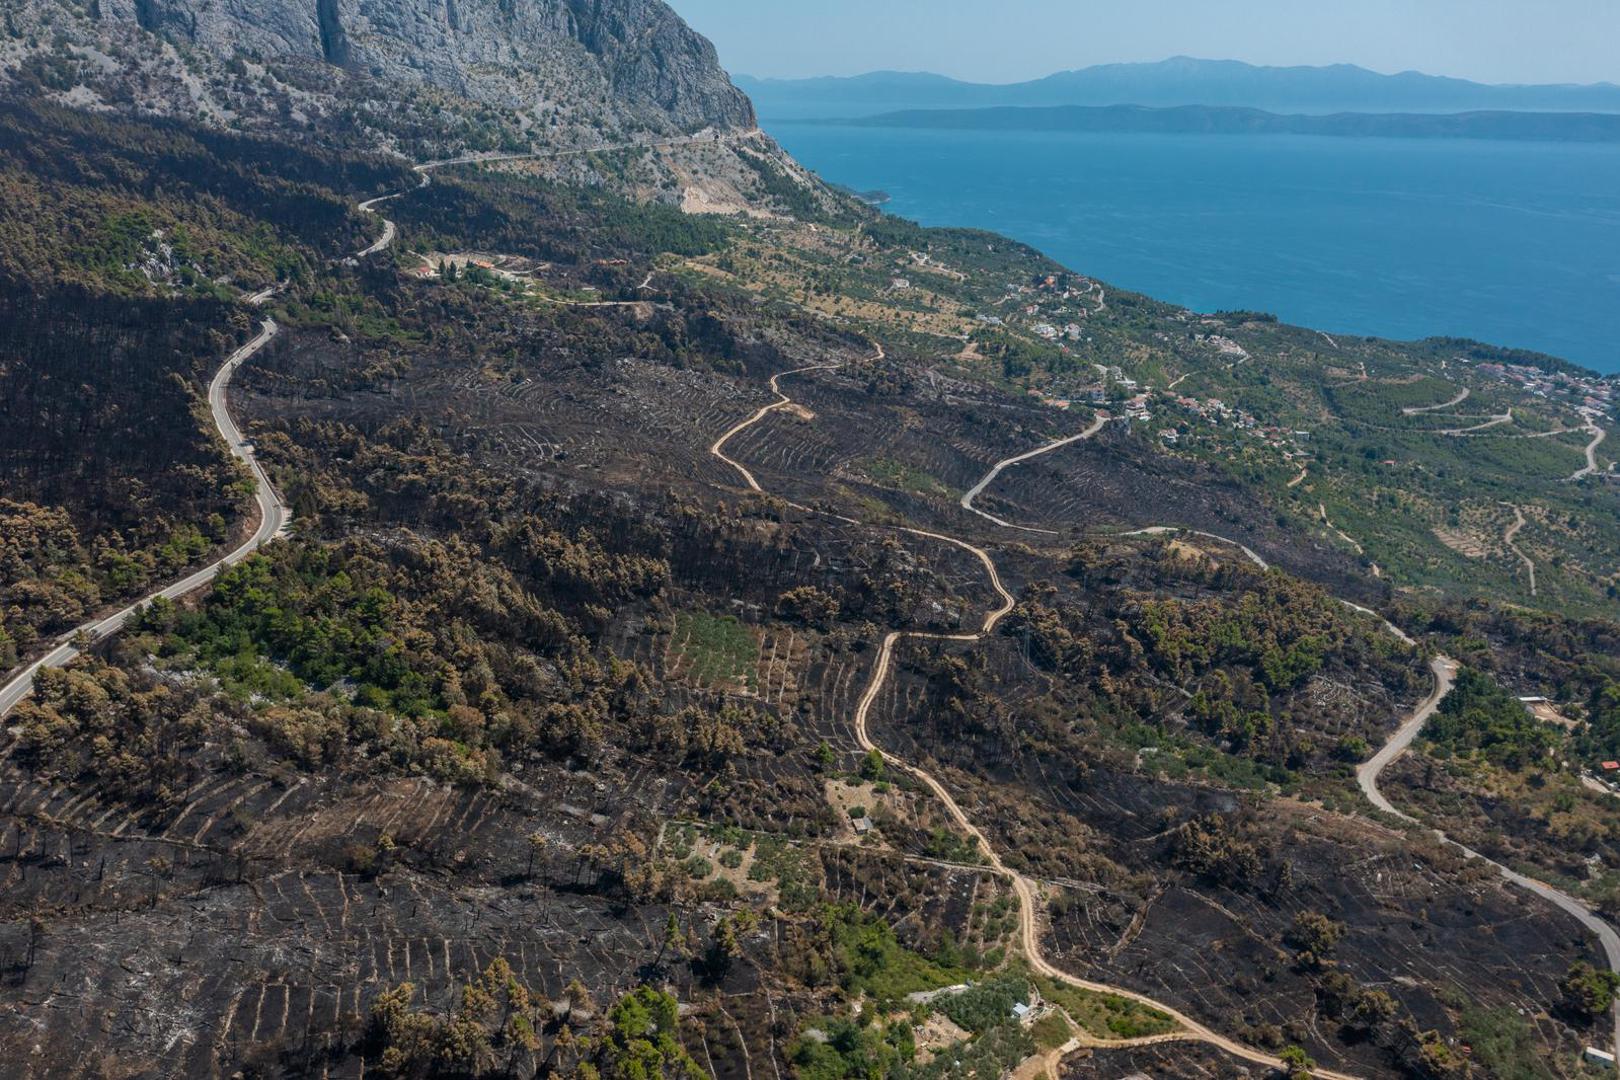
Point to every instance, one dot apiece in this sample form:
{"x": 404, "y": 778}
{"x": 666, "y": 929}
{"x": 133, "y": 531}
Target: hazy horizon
{"x": 1006, "y": 41}
{"x": 744, "y": 73}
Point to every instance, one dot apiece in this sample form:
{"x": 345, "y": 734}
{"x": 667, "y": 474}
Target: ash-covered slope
{"x": 491, "y": 71}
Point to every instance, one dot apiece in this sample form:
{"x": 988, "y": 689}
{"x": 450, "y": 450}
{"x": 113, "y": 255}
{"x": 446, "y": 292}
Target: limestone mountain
{"x": 485, "y": 74}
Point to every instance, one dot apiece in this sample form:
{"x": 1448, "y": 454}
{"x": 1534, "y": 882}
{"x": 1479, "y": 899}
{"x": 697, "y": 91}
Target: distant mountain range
{"x": 1225, "y": 120}
{"x": 1175, "y": 82}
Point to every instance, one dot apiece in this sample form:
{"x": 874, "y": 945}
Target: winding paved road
{"x": 1445, "y": 671}
{"x": 274, "y": 517}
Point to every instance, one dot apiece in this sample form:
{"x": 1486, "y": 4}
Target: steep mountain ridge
{"x": 506, "y": 71}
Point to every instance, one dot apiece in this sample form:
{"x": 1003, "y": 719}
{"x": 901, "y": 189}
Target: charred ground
{"x": 541, "y": 705}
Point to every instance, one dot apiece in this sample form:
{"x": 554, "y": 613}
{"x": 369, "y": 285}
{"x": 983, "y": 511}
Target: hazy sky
{"x": 1010, "y": 40}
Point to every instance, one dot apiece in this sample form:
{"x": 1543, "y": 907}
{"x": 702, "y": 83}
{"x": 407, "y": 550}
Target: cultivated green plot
{"x": 1107, "y": 1016}
{"x": 712, "y": 650}
{"x": 897, "y": 474}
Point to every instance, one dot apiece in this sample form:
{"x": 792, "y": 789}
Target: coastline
{"x": 1350, "y": 236}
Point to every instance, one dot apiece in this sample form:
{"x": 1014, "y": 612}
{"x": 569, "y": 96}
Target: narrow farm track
{"x": 1418, "y": 410}
{"x": 1321, "y": 509}
{"x": 990, "y": 477}
{"x": 1350, "y": 541}
{"x": 1508, "y": 539}
{"x": 1598, "y": 435}
{"x": 1170, "y": 530}
{"x": 1027, "y": 891}
{"x": 390, "y": 232}
{"x": 1490, "y": 422}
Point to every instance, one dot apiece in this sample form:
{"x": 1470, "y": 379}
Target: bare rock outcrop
{"x": 562, "y": 69}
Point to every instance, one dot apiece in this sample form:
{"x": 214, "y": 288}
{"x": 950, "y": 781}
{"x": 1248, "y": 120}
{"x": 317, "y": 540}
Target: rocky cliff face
{"x": 426, "y": 79}
{"x": 559, "y": 68}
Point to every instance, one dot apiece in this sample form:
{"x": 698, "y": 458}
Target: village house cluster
{"x": 1593, "y": 396}
{"x": 1057, "y": 303}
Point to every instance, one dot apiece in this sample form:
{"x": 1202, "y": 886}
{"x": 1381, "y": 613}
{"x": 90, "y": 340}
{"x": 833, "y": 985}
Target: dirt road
{"x": 1508, "y": 538}
{"x": 990, "y": 477}
{"x": 1490, "y": 422}
{"x": 1417, "y": 410}
{"x": 390, "y": 232}
{"x": 1027, "y": 891}
{"x": 1171, "y": 530}
{"x": 1598, "y": 435}
{"x": 765, "y": 410}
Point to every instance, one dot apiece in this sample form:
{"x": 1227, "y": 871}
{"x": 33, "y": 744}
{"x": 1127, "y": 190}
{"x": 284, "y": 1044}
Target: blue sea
{"x": 1507, "y": 242}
